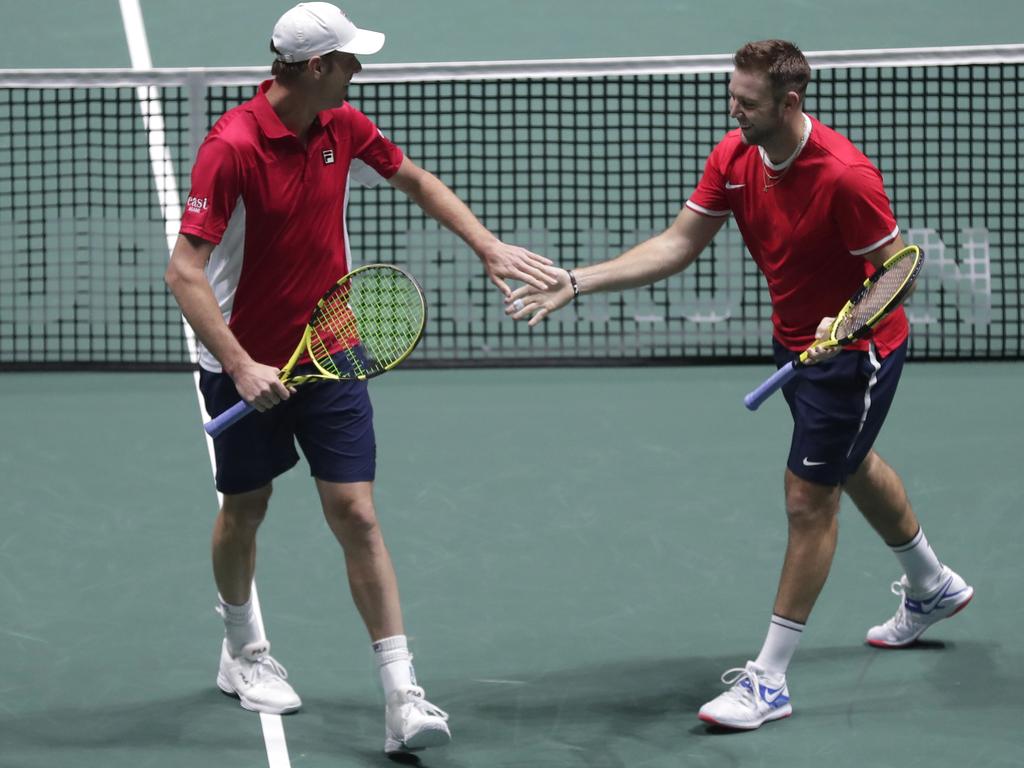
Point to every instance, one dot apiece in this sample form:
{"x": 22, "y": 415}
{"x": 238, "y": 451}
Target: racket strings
{"x": 876, "y": 299}
{"x": 389, "y": 312}
{"x": 380, "y": 309}
{"x": 333, "y": 329}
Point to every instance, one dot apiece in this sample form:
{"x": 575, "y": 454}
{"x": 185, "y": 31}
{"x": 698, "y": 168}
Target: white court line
{"x": 169, "y": 197}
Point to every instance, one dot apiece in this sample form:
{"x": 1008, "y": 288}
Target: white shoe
{"x": 754, "y": 698}
{"x": 411, "y": 722}
{"x": 255, "y": 677}
{"x": 918, "y": 612}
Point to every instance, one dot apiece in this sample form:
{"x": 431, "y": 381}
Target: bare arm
{"x": 672, "y": 251}
{"x": 666, "y": 254}
{"x": 500, "y": 259}
{"x": 878, "y": 258}
{"x": 256, "y": 383}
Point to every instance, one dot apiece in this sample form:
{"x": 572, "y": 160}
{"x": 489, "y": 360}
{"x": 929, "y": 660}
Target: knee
{"x": 808, "y": 517}
{"x": 246, "y": 510}
{"x": 353, "y": 518}
{"x": 809, "y": 507}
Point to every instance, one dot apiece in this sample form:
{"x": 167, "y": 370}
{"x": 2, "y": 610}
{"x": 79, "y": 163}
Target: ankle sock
{"x": 395, "y": 663}
{"x": 779, "y": 645}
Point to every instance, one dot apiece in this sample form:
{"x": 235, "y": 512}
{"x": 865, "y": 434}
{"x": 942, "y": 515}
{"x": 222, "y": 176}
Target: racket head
{"x": 880, "y": 294}
{"x": 366, "y": 324}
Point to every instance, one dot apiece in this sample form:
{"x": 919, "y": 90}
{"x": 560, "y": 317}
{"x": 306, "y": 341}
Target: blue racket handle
{"x": 771, "y": 384}
{"x": 217, "y": 425}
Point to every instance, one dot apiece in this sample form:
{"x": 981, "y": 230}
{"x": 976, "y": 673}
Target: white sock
{"x": 919, "y": 562}
{"x": 779, "y": 645}
{"x": 240, "y": 626}
{"x": 395, "y": 663}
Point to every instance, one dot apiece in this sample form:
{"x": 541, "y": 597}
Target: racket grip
{"x": 774, "y": 382}
{"x": 218, "y": 424}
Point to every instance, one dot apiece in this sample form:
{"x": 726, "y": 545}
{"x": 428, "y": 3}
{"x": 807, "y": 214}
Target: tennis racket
{"x": 378, "y": 308}
{"x": 877, "y": 297}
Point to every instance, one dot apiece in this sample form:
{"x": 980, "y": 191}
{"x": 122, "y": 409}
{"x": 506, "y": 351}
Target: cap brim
{"x": 364, "y": 43}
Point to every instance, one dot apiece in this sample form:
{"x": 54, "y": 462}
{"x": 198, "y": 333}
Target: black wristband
{"x": 575, "y": 285}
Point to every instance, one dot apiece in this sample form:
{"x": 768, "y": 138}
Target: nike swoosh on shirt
{"x": 729, "y": 185}
{"x": 809, "y": 463}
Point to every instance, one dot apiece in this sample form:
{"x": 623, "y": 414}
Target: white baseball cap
{"x": 315, "y": 29}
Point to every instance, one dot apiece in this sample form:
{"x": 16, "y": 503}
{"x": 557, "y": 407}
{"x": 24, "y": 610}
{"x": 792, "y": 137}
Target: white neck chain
{"x": 789, "y": 160}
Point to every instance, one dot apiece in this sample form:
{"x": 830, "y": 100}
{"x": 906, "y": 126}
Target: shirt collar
{"x": 796, "y": 152}
{"x": 267, "y": 118}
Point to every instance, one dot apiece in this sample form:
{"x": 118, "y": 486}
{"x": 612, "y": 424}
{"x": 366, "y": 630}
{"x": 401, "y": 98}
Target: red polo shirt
{"x": 276, "y": 209}
{"x": 808, "y": 233}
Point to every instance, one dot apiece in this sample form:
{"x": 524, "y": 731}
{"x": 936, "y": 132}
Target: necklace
{"x": 774, "y": 179}
{"x": 770, "y": 180}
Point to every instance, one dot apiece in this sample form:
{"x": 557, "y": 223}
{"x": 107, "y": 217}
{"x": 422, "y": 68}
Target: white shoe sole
{"x": 250, "y": 705}
{"x": 915, "y": 638}
{"x": 422, "y": 739}
{"x": 748, "y": 725}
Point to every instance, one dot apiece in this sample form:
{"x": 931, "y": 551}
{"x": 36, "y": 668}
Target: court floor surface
{"x": 581, "y": 552}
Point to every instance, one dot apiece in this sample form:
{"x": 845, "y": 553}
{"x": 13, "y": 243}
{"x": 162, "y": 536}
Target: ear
{"x": 317, "y": 67}
{"x": 792, "y": 100}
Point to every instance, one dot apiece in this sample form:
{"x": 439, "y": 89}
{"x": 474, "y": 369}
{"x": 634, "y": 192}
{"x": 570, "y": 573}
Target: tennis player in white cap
{"x": 262, "y": 237}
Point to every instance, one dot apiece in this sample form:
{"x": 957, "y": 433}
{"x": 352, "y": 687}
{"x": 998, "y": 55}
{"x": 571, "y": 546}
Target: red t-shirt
{"x": 276, "y": 209}
{"x": 808, "y": 233}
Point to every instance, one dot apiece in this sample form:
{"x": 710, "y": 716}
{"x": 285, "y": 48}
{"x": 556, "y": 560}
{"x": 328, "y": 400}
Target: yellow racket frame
{"x": 833, "y": 340}
{"x": 359, "y": 372}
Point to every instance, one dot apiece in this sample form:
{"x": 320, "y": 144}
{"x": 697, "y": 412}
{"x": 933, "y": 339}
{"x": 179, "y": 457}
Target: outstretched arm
{"x": 502, "y": 261}
{"x": 666, "y": 254}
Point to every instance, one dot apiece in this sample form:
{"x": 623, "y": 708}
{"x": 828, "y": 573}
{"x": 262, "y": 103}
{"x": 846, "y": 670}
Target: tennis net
{"x": 574, "y": 159}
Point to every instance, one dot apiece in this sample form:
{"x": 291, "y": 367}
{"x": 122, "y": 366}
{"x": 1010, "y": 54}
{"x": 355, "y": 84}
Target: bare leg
{"x": 350, "y": 514}
{"x": 759, "y": 693}
{"x": 812, "y": 510}
{"x": 879, "y": 494}
{"x": 234, "y": 543}
{"x": 245, "y": 650}
{"x": 411, "y": 722}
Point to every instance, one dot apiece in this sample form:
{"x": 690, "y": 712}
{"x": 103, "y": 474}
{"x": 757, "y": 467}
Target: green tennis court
{"x": 582, "y": 549}
{"x": 573, "y": 584}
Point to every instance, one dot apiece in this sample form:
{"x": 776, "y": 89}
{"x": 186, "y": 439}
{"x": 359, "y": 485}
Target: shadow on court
{"x": 615, "y": 714}
{"x": 195, "y": 721}
{"x": 643, "y": 712}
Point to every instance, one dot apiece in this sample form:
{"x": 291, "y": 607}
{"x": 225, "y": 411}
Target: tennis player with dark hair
{"x": 262, "y": 238}
{"x": 816, "y": 219}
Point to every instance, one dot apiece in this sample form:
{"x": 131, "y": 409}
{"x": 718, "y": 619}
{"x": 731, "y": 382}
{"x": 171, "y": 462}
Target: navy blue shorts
{"x": 838, "y": 409}
{"x": 331, "y": 420}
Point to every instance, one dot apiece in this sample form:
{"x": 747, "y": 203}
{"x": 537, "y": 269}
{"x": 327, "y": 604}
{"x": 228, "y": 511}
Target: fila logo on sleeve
{"x": 328, "y": 156}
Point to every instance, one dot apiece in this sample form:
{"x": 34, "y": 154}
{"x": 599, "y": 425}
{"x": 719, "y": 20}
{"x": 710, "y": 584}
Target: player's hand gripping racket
{"x": 378, "y": 307}
{"x": 877, "y": 297}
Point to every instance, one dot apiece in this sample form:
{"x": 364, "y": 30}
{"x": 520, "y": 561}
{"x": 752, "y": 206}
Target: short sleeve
{"x": 216, "y": 188}
{"x": 862, "y": 211}
{"x": 709, "y": 197}
{"x": 371, "y": 146}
